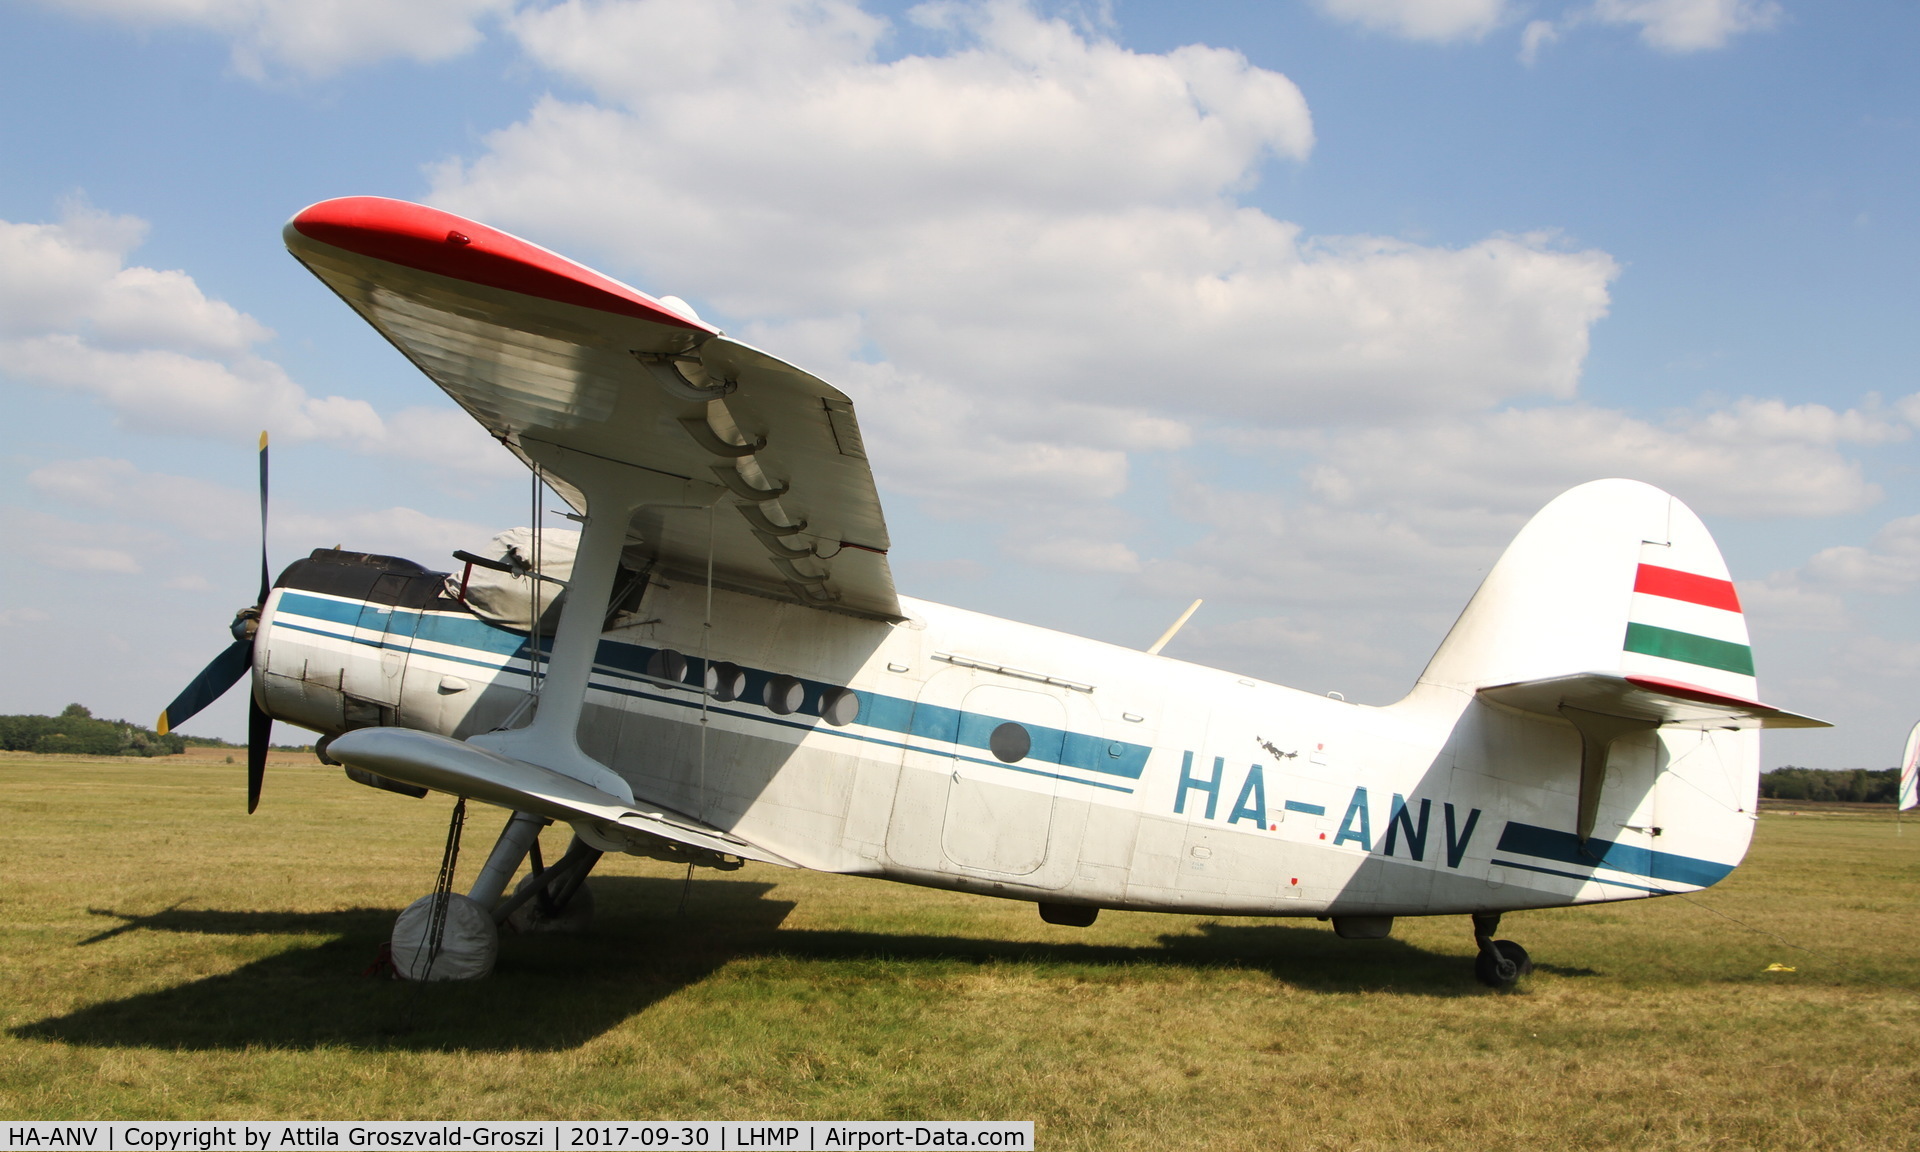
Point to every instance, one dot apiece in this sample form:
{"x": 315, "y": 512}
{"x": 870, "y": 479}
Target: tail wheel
{"x": 1503, "y": 965}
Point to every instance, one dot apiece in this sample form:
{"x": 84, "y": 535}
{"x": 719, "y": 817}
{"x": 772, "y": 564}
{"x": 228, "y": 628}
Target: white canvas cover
{"x": 468, "y": 944}
{"x": 506, "y": 599}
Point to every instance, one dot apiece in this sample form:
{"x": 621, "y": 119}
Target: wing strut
{"x": 613, "y": 493}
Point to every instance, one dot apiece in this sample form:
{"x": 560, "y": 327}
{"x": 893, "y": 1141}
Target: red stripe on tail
{"x": 1690, "y": 587}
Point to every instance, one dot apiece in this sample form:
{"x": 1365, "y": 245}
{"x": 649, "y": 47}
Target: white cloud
{"x": 689, "y": 46}
{"x": 395, "y": 531}
{"x": 166, "y": 391}
{"x": 1369, "y": 657}
{"x": 1890, "y": 566}
{"x": 1674, "y": 26}
{"x": 1688, "y": 25}
{"x": 72, "y": 275}
{"x": 1023, "y": 114}
{"x": 1024, "y": 255}
{"x": 1397, "y": 525}
{"x": 1909, "y": 408}
{"x": 1536, "y": 36}
{"x": 192, "y": 507}
{"x": 934, "y": 442}
{"x": 163, "y": 356}
{"x": 1085, "y": 538}
{"x": 52, "y": 275}
{"x": 315, "y": 37}
{"x": 64, "y": 556}
{"x": 1025, "y": 248}
{"x": 48, "y": 541}
{"x": 153, "y": 513}
{"x": 144, "y": 307}
{"x": 1262, "y": 548}
{"x": 1401, "y": 522}
{"x": 1073, "y": 553}
{"x": 1434, "y": 20}
{"x": 1783, "y": 604}
{"x": 1753, "y": 458}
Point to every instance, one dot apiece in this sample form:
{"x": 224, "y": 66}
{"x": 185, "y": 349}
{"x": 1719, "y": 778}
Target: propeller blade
{"x": 266, "y": 582}
{"x": 212, "y": 683}
{"x": 259, "y": 734}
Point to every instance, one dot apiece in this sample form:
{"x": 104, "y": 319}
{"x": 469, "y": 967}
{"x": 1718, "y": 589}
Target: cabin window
{"x": 1010, "y": 743}
{"x": 784, "y": 695}
{"x": 839, "y": 706}
{"x": 667, "y": 664}
{"x": 726, "y": 681}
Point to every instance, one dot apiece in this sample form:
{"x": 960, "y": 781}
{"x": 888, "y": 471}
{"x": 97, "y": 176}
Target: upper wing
{"x": 773, "y": 488}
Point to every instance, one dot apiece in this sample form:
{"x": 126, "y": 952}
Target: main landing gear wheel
{"x": 468, "y": 940}
{"x": 444, "y": 935}
{"x": 554, "y": 899}
{"x": 542, "y": 915}
{"x": 1501, "y": 963}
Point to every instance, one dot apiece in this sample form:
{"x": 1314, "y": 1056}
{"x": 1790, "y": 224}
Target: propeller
{"x": 231, "y": 664}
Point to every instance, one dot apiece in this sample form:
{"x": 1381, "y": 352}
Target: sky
{"x": 1300, "y": 306}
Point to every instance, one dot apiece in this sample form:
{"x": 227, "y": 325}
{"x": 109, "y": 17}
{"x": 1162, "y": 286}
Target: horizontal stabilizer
{"x": 1666, "y": 703}
{"x": 604, "y": 820}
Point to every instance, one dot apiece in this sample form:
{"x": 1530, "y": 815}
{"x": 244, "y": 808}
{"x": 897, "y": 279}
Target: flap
{"x": 1668, "y": 703}
{"x": 761, "y": 466}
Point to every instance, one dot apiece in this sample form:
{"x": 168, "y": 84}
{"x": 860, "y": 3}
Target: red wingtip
{"x": 430, "y": 240}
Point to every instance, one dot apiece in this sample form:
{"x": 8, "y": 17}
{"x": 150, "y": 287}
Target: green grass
{"x": 162, "y": 955}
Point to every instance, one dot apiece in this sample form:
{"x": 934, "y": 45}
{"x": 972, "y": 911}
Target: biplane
{"x": 713, "y": 666}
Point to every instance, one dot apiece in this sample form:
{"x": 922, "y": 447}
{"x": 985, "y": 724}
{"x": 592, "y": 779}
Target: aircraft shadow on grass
{"x": 552, "y": 993}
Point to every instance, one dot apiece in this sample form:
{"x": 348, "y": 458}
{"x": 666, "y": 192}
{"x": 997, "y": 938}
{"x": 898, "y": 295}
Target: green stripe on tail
{"x": 1690, "y": 649}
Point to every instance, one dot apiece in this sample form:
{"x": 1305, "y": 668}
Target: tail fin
{"x": 1612, "y": 613}
{"x": 1614, "y": 577}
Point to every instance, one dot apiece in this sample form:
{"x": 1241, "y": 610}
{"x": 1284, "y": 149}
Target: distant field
{"x": 163, "y": 955}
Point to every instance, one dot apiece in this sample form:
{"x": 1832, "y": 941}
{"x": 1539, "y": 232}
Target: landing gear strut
{"x": 1500, "y": 963}
{"x": 554, "y": 899}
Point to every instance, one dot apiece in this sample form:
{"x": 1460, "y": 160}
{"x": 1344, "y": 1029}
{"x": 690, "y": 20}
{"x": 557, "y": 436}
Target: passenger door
{"x": 1000, "y": 795}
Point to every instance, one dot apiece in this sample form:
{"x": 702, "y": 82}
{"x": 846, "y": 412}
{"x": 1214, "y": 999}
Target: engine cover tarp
{"x": 506, "y": 598}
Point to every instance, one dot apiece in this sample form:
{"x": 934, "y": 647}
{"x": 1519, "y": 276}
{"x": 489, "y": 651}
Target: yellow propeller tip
{"x": 263, "y": 440}
{"x": 160, "y": 725}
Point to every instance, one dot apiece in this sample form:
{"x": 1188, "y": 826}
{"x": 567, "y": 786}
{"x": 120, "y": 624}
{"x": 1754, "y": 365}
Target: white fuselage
{"x": 1119, "y": 779}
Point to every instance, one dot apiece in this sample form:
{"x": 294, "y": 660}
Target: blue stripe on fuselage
{"x": 894, "y": 714}
{"x": 1565, "y": 847}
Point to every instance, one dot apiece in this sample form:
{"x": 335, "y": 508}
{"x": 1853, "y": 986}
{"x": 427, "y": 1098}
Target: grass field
{"x": 162, "y": 955}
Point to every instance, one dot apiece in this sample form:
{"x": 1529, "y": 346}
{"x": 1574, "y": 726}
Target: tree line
{"x": 76, "y": 730}
{"x": 1860, "y": 785}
